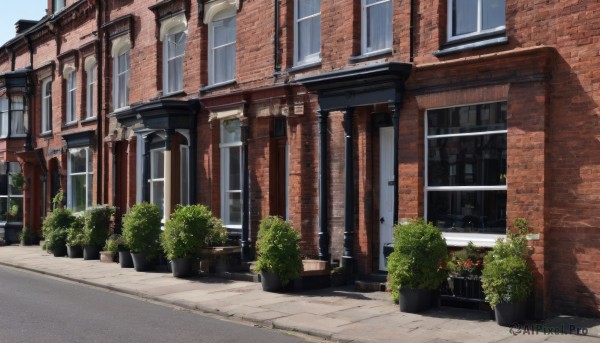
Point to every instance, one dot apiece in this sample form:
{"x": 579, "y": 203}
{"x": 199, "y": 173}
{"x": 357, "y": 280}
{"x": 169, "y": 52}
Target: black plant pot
{"x": 59, "y": 251}
{"x": 125, "y": 259}
{"x": 141, "y": 264}
{"x": 414, "y": 300}
{"x": 74, "y": 251}
{"x": 91, "y": 252}
{"x": 508, "y": 314}
{"x": 182, "y": 267}
{"x": 270, "y": 282}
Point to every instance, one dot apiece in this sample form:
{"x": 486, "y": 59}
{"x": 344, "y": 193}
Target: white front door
{"x": 386, "y": 190}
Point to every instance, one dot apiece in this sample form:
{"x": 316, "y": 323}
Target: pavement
{"x": 336, "y": 314}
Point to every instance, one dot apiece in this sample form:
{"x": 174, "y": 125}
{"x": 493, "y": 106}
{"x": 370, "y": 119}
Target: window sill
{"x": 453, "y": 48}
{"x": 300, "y": 67}
{"x": 484, "y": 240}
{"x": 173, "y": 94}
{"x": 18, "y": 135}
{"x": 45, "y": 134}
{"x": 379, "y": 53}
{"x": 89, "y": 120}
{"x": 217, "y": 86}
{"x": 68, "y": 125}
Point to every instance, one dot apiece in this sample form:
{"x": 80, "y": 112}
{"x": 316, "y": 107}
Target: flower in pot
{"x": 141, "y": 229}
{"x": 507, "y": 280}
{"x": 96, "y": 229}
{"x": 415, "y": 265}
{"x": 278, "y": 250}
{"x": 55, "y": 229}
{"x": 75, "y": 238}
{"x": 464, "y": 272}
{"x": 188, "y": 230}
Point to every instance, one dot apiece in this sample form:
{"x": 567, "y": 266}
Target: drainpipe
{"x": 277, "y": 65}
{"x": 99, "y": 114}
{"x": 245, "y": 243}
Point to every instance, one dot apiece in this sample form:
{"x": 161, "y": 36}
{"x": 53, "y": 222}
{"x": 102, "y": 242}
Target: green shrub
{"x": 278, "y": 248}
{"x": 26, "y": 236}
{"x": 55, "y": 227}
{"x": 506, "y": 276}
{"x": 189, "y": 229}
{"x": 115, "y": 243}
{"x": 141, "y": 229}
{"x": 416, "y": 262}
{"x": 75, "y": 236}
{"x": 97, "y": 223}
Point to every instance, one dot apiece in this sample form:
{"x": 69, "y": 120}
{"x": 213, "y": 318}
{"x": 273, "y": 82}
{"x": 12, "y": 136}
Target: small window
{"x": 90, "y": 94}
{"x": 71, "y": 97}
{"x": 3, "y": 117}
{"x": 222, "y": 48}
{"x": 47, "y": 105}
{"x": 231, "y": 173}
{"x": 173, "y": 55}
{"x": 121, "y": 78}
{"x": 157, "y": 179}
{"x": 79, "y": 179}
{"x": 307, "y": 37}
{"x": 376, "y": 25}
{"x": 471, "y": 18}
{"x": 18, "y": 115}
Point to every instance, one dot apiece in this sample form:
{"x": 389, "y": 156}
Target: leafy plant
{"x": 141, "y": 229}
{"x": 26, "y": 236}
{"x": 506, "y": 277}
{"x": 97, "y": 223}
{"x": 278, "y": 249}
{"x": 189, "y": 229}
{"x": 18, "y": 181}
{"x": 75, "y": 235}
{"x": 466, "y": 262}
{"x": 115, "y": 243}
{"x": 59, "y": 199}
{"x": 416, "y": 262}
{"x": 56, "y": 226}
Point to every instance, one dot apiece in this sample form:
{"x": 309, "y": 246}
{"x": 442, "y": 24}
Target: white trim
{"x": 116, "y": 73}
{"x": 46, "y": 120}
{"x": 226, "y": 13}
{"x": 363, "y": 27}
{"x": 224, "y": 182}
{"x": 89, "y": 61}
{"x": 314, "y": 58}
{"x": 119, "y": 45}
{"x": 479, "y": 31}
{"x": 173, "y": 25}
{"x": 458, "y": 239}
{"x": 467, "y": 134}
{"x": 90, "y": 88}
{"x": 157, "y": 154}
{"x": 211, "y": 9}
{"x": 71, "y": 96}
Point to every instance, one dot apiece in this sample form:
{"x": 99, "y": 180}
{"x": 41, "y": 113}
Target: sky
{"x": 13, "y": 10}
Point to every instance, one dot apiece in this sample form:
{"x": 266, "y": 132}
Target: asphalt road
{"x": 35, "y": 308}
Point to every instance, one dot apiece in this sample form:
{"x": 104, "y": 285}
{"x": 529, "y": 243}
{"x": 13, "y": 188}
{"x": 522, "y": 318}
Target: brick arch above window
{"x": 217, "y": 7}
{"x": 171, "y": 25}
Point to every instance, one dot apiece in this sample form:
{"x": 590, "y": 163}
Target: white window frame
{"x": 9, "y": 194}
{"x": 122, "y": 49}
{"x": 13, "y": 115}
{"x": 4, "y": 120}
{"x": 152, "y": 179}
{"x": 309, "y": 59}
{"x": 220, "y": 17}
{"x": 479, "y": 31}
{"x": 58, "y": 5}
{"x": 167, "y": 74}
{"x": 225, "y": 171}
{"x": 89, "y": 174}
{"x": 184, "y": 174}
{"x": 46, "y": 106}
{"x": 364, "y": 26}
{"x": 460, "y": 239}
{"x": 71, "y": 98}
{"x": 90, "y": 94}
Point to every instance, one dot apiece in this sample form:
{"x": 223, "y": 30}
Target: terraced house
{"x": 344, "y": 117}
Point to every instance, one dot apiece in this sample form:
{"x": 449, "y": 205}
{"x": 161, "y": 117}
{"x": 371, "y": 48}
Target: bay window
{"x": 231, "y": 173}
{"x": 18, "y": 115}
{"x": 3, "y": 116}
{"x": 157, "y": 179}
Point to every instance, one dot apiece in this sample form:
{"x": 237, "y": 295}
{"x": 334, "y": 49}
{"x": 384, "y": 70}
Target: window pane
{"x": 231, "y": 132}
{"x": 379, "y": 26}
{"x": 309, "y": 38}
{"x": 235, "y": 164}
{"x": 3, "y": 209}
{"x": 467, "y": 161}
{"x": 308, "y": 7}
{"x": 15, "y": 209}
{"x": 13, "y": 169}
{"x": 78, "y": 192}
{"x": 464, "y": 17}
{"x": 89, "y": 189}
{"x": 224, "y": 31}
{"x": 493, "y": 13}
{"x": 158, "y": 195}
{"x": 158, "y": 164}
{"x": 235, "y": 208}
{"x": 466, "y": 119}
{"x": 468, "y": 211}
{"x": 17, "y": 115}
{"x": 78, "y": 160}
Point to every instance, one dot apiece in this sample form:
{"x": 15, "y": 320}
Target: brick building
{"x": 270, "y": 107}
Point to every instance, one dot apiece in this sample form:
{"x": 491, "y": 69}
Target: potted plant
{"x": 75, "y": 238}
{"x": 464, "y": 272}
{"x": 415, "y": 266}
{"x": 96, "y": 228}
{"x": 141, "y": 229}
{"x": 26, "y": 236}
{"x": 506, "y": 277}
{"x": 188, "y": 230}
{"x": 111, "y": 248}
{"x": 278, "y": 250}
{"x": 55, "y": 227}
{"x": 122, "y": 250}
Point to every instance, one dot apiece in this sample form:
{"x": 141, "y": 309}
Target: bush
{"x": 278, "y": 248}
{"x": 75, "y": 236}
{"x": 97, "y": 223}
{"x": 141, "y": 229}
{"x": 115, "y": 243}
{"x": 55, "y": 227}
{"x": 506, "y": 276}
{"x": 416, "y": 262}
{"x": 26, "y": 236}
{"x": 189, "y": 229}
